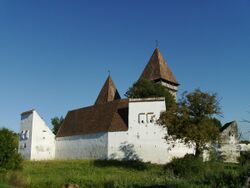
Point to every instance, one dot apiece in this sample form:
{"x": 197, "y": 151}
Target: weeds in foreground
{"x": 180, "y": 173}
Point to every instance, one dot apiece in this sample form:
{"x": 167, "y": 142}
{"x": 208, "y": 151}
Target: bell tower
{"x": 157, "y": 70}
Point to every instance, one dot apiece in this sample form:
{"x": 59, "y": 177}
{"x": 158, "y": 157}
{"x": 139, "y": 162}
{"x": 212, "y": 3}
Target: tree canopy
{"x": 56, "y": 123}
{"x": 148, "y": 89}
{"x": 9, "y": 157}
{"x": 192, "y": 119}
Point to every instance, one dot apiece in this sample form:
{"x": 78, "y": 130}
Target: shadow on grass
{"x": 136, "y": 165}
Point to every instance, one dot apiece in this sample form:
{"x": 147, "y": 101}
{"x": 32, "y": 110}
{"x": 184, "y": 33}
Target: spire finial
{"x": 156, "y": 43}
{"x": 109, "y": 72}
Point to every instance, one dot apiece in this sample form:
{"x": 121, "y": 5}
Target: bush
{"x": 17, "y": 179}
{"x": 9, "y": 157}
{"x": 208, "y": 174}
{"x": 224, "y": 177}
{"x": 244, "y": 158}
{"x": 187, "y": 166}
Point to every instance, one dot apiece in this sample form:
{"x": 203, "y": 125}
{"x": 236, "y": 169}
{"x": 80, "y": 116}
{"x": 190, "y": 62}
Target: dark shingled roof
{"x": 232, "y": 123}
{"x": 108, "y": 92}
{"x": 157, "y": 69}
{"x": 27, "y": 112}
{"x": 108, "y": 117}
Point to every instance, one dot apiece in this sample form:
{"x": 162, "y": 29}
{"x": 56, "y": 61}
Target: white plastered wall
{"x": 147, "y": 136}
{"x": 25, "y": 136}
{"x": 92, "y": 146}
{"x": 145, "y": 139}
{"x": 37, "y": 142}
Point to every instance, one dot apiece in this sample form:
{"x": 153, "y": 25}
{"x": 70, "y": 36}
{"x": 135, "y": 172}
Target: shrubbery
{"x": 184, "y": 167}
{"x": 9, "y": 157}
{"x": 17, "y": 179}
{"x": 212, "y": 173}
{"x": 244, "y": 158}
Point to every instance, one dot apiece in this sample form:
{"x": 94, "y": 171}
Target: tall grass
{"x": 181, "y": 173}
{"x": 93, "y": 174}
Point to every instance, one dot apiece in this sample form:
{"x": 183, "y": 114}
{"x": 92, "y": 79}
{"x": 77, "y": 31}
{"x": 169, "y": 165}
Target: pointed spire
{"x": 157, "y": 69}
{"x": 108, "y": 92}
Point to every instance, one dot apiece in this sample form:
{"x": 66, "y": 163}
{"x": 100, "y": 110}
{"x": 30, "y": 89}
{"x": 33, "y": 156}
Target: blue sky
{"x": 55, "y": 55}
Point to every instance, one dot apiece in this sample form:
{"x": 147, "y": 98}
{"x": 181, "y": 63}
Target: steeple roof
{"x": 157, "y": 68}
{"x": 108, "y": 92}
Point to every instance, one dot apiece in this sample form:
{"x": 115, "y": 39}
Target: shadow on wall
{"x": 130, "y": 159}
{"x": 129, "y": 152}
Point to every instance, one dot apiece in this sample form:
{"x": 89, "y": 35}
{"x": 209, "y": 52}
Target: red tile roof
{"x": 108, "y": 92}
{"x": 108, "y": 117}
{"x": 157, "y": 69}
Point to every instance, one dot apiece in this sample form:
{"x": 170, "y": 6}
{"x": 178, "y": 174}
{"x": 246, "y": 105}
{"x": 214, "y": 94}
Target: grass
{"x": 93, "y": 173}
{"x": 2, "y": 185}
{"x": 109, "y": 174}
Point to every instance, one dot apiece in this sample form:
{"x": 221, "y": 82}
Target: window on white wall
{"x": 150, "y": 117}
{"x": 27, "y": 134}
{"x": 141, "y": 118}
{"x": 24, "y": 135}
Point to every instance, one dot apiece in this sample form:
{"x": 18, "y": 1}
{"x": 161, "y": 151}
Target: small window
{"x": 26, "y": 134}
{"x": 141, "y": 117}
{"x": 150, "y": 115}
{"x": 24, "y": 145}
{"x": 22, "y": 135}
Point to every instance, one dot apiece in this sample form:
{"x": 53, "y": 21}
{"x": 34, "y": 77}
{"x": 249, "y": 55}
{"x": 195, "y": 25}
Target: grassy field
{"x": 2, "y": 185}
{"x": 93, "y": 174}
{"x": 109, "y": 174}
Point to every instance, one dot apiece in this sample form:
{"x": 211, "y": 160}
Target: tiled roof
{"x": 224, "y": 127}
{"x": 157, "y": 69}
{"x": 108, "y": 92}
{"x": 108, "y": 117}
{"x": 27, "y": 112}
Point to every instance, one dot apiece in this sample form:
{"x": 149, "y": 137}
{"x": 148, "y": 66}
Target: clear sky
{"x": 55, "y": 55}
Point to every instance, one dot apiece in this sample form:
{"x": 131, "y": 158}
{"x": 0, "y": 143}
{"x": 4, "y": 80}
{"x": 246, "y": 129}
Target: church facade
{"x": 112, "y": 128}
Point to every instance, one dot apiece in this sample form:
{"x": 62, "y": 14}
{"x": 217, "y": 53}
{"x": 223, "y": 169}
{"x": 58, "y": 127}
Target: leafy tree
{"x": 192, "y": 119}
{"x": 56, "y": 122}
{"x": 9, "y": 156}
{"x": 147, "y": 89}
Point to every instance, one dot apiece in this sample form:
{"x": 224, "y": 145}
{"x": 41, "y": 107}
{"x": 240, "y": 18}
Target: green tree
{"x": 56, "y": 122}
{"x": 192, "y": 119}
{"x": 147, "y": 89}
{"x": 9, "y": 156}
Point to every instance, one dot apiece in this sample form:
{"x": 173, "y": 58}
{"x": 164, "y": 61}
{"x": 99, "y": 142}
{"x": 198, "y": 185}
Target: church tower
{"x": 157, "y": 70}
{"x": 108, "y": 92}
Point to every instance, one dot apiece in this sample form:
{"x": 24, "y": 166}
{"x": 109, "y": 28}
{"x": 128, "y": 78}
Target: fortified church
{"x": 113, "y": 128}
